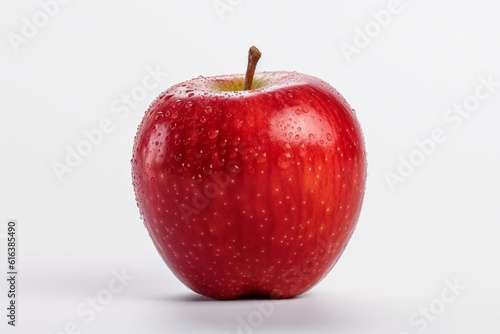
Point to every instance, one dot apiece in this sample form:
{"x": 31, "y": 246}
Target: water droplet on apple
{"x": 203, "y": 119}
{"x": 262, "y": 157}
{"x": 178, "y": 156}
{"x": 297, "y": 137}
{"x": 166, "y": 97}
{"x": 168, "y": 170}
{"x": 173, "y": 126}
{"x": 190, "y": 94}
{"x": 290, "y": 95}
{"x": 177, "y": 103}
{"x": 175, "y": 115}
{"x": 302, "y": 150}
{"x": 311, "y": 136}
{"x": 299, "y": 129}
{"x": 212, "y": 134}
{"x": 197, "y": 179}
{"x": 285, "y": 160}
{"x": 188, "y": 105}
{"x": 208, "y": 109}
{"x": 329, "y": 136}
{"x": 234, "y": 169}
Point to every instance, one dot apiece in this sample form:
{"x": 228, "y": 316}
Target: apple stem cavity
{"x": 253, "y": 57}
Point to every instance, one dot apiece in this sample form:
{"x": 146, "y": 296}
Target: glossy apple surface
{"x": 250, "y": 192}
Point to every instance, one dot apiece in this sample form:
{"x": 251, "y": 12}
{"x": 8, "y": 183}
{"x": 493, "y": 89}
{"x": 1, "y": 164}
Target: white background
{"x": 440, "y": 225}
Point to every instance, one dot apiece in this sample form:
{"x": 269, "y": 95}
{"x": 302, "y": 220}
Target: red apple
{"x": 250, "y": 192}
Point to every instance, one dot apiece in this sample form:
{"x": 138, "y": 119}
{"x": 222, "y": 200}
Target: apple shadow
{"x": 311, "y": 312}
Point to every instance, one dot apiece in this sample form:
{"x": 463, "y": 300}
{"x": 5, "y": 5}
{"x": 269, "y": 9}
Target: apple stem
{"x": 253, "y": 57}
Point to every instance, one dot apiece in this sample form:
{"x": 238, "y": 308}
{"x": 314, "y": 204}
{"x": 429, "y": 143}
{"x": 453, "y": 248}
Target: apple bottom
{"x": 298, "y": 278}
{"x": 273, "y": 232}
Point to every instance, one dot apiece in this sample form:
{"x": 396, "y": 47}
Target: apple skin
{"x": 252, "y": 192}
